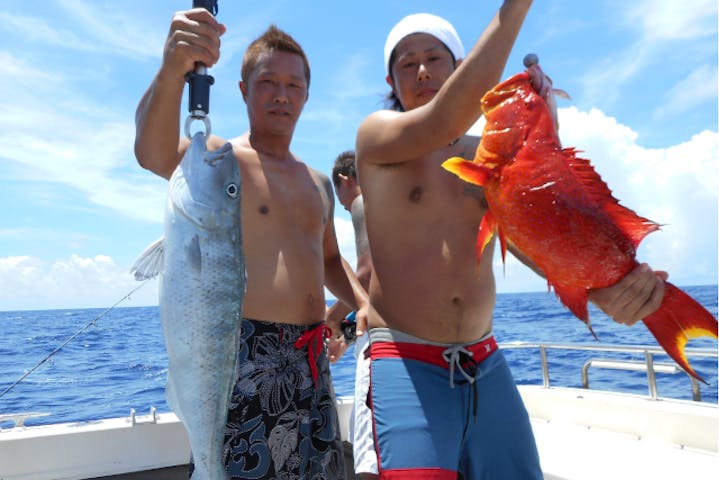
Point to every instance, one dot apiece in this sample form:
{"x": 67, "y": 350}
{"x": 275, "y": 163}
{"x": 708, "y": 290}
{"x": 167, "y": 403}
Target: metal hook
{"x": 205, "y": 120}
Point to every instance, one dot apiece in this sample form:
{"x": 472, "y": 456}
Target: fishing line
{"x": 75, "y": 335}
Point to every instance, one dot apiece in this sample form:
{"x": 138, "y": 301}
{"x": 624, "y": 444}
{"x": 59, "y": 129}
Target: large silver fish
{"x": 202, "y": 287}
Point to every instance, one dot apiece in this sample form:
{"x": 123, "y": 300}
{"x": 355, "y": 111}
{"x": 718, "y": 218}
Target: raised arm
{"x": 387, "y": 137}
{"x": 194, "y": 37}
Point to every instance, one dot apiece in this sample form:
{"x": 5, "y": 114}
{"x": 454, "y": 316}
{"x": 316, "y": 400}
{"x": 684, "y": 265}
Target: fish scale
{"x": 202, "y": 286}
{"x": 556, "y": 210}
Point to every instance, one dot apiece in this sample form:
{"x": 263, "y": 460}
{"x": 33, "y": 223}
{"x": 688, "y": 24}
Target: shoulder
{"x": 322, "y": 181}
{"x": 357, "y": 214}
{"x": 316, "y": 174}
{"x": 214, "y": 142}
{"x": 357, "y": 208}
{"x": 377, "y": 121}
{"x": 242, "y": 144}
{"x": 380, "y": 116}
{"x": 383, "y": 138}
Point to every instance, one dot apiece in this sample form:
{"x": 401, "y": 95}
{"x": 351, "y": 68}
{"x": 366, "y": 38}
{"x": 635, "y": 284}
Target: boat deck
{"x": 585, "y": 435}
{"x": 581, "y": 434}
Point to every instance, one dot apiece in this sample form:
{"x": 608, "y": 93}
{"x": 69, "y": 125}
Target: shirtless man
{"x": 443, "y": 399}
{"x": 344, "y": 178}
{"x": 284, "y": 388}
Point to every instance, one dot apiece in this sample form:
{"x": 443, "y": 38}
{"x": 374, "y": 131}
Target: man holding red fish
{"x": 444, "y": 402}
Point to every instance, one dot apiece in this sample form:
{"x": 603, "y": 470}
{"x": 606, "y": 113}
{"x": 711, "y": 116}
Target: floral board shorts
{"x": 282, "y": 421}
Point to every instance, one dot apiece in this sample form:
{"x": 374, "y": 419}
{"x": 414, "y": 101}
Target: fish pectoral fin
{"x": 502, "y": 244}
{"x": 575, "y": 299}
{"x": 150, "y": 262}
{"x": 679, "y": 319}
{"x": 468, "y": 171}
{"x": 485, "y": 234}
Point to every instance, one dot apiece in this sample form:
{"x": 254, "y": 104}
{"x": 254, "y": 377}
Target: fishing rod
{"x": 200, "y": 81}
{"x": 72, "y": 337}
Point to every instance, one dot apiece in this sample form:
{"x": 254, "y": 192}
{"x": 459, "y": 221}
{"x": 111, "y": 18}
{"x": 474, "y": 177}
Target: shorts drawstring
{"x": 315, "y": 341}
{"x": 464, "y": 360}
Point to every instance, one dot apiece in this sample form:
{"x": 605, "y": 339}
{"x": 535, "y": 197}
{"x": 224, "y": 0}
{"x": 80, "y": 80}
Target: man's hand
{"x": 543, "y": 85}
{"x": 633, "y": 298}
{"x": 194, "y": 37}
{"x": 336, "y": 347}
{"x": 361, "y": 319}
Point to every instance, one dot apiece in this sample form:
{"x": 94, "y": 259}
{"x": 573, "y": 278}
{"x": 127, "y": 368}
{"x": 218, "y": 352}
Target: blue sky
{"x": 77, "y": 209}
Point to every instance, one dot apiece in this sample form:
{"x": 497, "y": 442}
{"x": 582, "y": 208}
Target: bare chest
{"x": 424, "y": 185}
{"x": 286, "y": 199}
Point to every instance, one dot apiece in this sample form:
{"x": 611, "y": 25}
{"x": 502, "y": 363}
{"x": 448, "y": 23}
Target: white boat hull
{"x": 587, "y": 435}
{"x": 581, "y": 434}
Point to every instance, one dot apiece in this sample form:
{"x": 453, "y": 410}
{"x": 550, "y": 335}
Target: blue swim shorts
{"x": 443, "y": 409}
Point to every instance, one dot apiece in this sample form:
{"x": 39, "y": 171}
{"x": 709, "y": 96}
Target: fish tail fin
{"x": 679, "y": 319}
{"x": 468, "y": 171}
{"x": 150, "y": 262}
{"x": 485, "y": 234}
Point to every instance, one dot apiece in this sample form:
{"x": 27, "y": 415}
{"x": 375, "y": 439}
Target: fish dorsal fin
{"x": 633, "y": 226}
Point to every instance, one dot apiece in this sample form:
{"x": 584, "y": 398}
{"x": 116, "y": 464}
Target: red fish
{"x": 554, "y": 207}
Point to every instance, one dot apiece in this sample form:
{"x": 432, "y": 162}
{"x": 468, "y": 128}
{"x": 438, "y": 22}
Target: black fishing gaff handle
{"x": 199, "y": 80}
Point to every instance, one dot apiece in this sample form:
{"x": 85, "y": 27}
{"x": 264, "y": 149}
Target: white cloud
{"x": 672, "y": 19}
{"x": 675, "y": 186}
{"x": 699, "y": 88}
{"x": 75, "y": 282}
{"x": 76, "y": 142}
{"x": 663, "y": 30}
{"x": 89, "y": 28}
{"x": 39, "y": 30}
{"x": 346, "y": 240}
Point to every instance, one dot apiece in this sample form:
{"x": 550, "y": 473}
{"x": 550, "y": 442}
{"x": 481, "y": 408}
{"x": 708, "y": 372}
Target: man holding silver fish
{"x": 282, "y": 418}
{"x": 443, "y": 400}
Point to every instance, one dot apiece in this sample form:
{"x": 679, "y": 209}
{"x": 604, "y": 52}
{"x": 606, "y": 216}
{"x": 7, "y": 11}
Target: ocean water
{"x": 119, "y": 362}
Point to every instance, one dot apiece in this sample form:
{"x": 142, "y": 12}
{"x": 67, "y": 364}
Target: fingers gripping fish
{"x": 202, "y": 288}
{"x": 553, "y": 206}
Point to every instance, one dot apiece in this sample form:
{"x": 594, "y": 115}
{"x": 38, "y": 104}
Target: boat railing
{"x": 648, "y": 365}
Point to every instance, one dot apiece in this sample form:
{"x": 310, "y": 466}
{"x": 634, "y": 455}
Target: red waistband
{"x": 429, "y": 353}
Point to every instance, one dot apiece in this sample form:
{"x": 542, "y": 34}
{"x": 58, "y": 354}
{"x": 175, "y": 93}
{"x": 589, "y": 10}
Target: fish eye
{"x": 231, "y": 190}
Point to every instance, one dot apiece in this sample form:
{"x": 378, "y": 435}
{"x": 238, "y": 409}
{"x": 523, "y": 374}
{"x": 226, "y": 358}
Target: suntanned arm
{"x": 340, "y": 279}
{"x": 400, "y": 136}
{"x": 194, "y": 37}
{"x": 340, "y": 310}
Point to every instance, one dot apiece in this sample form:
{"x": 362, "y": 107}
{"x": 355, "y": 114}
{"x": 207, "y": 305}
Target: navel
{"x": 264, "y": 209}
{"x": 415, "y": 195}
